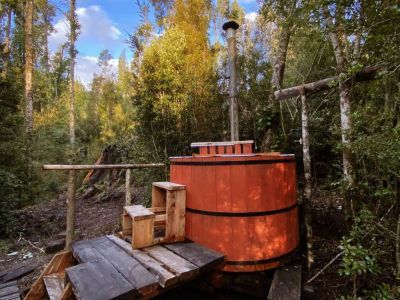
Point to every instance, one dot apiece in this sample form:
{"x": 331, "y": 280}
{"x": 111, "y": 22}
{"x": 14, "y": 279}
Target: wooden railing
{"x": 71, "y": 192}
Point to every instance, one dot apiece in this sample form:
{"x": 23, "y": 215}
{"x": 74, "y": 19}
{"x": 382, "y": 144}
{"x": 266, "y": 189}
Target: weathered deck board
{"x": 129, "y": 267}
{"x": 103, "y": 248}
{"x": 98, "y": 280}
{"x": 111, "y": 269}
{"x": 15, "y": 273}
{"x": 286, "y": 284}
{"x": 164, "y": 277}
{"x": 174, "y": 263}
{"x": 198, "y": 255}
{"x": 9, "y": 291}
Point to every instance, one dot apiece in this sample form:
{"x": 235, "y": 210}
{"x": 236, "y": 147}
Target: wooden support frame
{"x": 71, "y": 193}
{"x": 59, "y": 263}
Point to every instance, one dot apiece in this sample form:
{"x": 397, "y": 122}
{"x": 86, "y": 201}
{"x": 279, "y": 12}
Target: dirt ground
{"x": 99, "y": 215}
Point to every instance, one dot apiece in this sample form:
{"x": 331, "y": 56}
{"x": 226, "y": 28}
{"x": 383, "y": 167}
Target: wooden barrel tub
{"x": 243, "y": 205}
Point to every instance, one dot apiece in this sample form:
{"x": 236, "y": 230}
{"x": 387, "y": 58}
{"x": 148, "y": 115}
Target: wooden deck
{"x": 9, "y": 291}
{"x": 110, "y": 269}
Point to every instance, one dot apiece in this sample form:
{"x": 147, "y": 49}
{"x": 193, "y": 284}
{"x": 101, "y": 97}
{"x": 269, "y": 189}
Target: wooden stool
{"x": 170, "y": 198}
{"x": 138, "y": 221}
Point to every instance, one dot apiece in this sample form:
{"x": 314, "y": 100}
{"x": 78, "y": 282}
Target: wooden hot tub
{"x": 241, "y": 204}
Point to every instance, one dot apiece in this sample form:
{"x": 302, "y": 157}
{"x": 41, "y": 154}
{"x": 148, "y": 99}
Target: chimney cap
{"x": 230, "y": 24}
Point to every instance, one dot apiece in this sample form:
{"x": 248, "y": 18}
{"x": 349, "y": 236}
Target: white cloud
{"x": 251, "y": 16}
{"x": 95, "y": 26}
{"x": 86, "y": 66}
{"x": 97, "y": 32}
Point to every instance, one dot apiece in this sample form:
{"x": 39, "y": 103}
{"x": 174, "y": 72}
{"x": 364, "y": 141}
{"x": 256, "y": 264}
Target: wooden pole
{"x": 307, "y": 176}
{"x": 128, "y": 196}
{"x": 70, "y": 231}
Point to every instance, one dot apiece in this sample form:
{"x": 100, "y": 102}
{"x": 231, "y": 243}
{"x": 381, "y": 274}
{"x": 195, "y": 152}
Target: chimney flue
{"x": 230, "y": 28}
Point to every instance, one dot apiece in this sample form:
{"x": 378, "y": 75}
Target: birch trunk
{"x": 72, "y": 38}
{"x": 29, "y": 6}
{"x": 307, "y": 176}
{"x": 345, "y": 98}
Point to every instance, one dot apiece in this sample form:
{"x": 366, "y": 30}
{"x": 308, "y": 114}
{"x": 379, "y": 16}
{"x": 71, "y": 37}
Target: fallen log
{"x": 367, "y": 73}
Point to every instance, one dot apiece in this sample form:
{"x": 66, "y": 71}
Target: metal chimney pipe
{"x": 230, "y": 28}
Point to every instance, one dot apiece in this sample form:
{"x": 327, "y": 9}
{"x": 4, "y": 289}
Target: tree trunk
{"x": 7, "y": 42}
{"x": 307, "y": 177}
{"x": 46, "y": 21}
{"x": 72, "y": 39}
{"x": 344, "y": 91}
{"x": 278, "y": 72}
{"x": 345, "y": 98}
{"x": 71, "y": 175}
{"x": 29, "y": 6}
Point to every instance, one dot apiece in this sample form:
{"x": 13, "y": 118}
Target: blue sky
{"x": 105, "y": 24}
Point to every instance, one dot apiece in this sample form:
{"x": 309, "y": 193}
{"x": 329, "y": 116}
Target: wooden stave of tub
{"x": 242, "y": 205}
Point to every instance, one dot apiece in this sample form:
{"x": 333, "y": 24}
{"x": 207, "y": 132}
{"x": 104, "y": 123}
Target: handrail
{"x": 71, "y": 193}
{"x": 109, "y": 166}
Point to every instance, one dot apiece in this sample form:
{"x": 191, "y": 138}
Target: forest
{"x": 343, "y": 57}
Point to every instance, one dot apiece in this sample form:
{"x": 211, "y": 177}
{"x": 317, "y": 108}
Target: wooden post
{"x": 128, "y": 200}
{"x": 70, "y": 231}
{"x": 307, "y": 176}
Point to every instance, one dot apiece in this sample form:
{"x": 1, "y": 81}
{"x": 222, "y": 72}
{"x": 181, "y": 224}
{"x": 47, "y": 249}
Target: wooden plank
{"x": 169, "y": 186}
{"x": 160, "y": 219}
{"x": 174, "y": 263}
{"x": 157, "y": 197}
{"x": 165, "y": 277}
{"x": 126, "y": 224}
{"x": 98, "y": 280}
{"x": 15, "y": 273}
{"x": 8, "y": 290}
{"x": 202, "y": 144}
{"x": 198, "y": 255}
{"x": 58, "y": 263}
{"x": 10, "y": 283}
{"x": 138, "y": 212}
{"x": 84, "y": 252}
{"x": 54, "y": 285}
{"x": 286, "y": 284}
{"x": 137, "y": 275}
{"x": 67, "y": 293}
{"x": 14, "y": 296}
{"x": 143, "y": 233}
{"x": 159, "y": 209}
{"x": 175, "y": 222}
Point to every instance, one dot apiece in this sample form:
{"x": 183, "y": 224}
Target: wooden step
{"x": 169, "y": 186}
{"x": 286, "y": 284}
{"x": 138, "y": 221}
{"x": 138, "y": 212}
{"x": 55, "y": 284}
